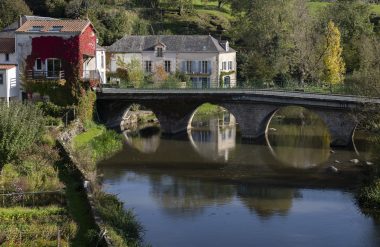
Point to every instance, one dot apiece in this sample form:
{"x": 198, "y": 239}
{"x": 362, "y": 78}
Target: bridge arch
{"x": 141, "y": 111}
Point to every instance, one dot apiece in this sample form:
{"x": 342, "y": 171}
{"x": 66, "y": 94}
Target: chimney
{"x": 20, "y": 21}
{"x": 225, "y": 45}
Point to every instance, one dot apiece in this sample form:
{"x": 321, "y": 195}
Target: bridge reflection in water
{"x": 217, "y": 191}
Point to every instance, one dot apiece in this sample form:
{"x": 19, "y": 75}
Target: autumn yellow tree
{"x": 334, "y": 66}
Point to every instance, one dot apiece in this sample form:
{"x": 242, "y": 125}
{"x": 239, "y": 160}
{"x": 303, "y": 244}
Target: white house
{"x": 209, "y": 63}
{"x": 9, "y": 89}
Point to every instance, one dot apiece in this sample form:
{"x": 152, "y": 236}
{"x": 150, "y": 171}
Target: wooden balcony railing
{"x": 45, "y": 74}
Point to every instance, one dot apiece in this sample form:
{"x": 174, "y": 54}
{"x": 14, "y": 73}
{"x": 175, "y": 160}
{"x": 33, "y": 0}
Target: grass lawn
{"x": 315, "y": 6}
{"x": 83, "y": 139}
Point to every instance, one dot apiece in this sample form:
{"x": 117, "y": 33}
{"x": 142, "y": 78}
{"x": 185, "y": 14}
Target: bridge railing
{"x": 323, "y": 90}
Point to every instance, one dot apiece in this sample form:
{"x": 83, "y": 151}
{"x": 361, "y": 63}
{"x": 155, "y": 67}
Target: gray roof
{"x": 173, "y": 43}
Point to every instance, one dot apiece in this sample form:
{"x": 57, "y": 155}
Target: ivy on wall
{"x": 70, "y": 51}
{"x": 222, "y": 75}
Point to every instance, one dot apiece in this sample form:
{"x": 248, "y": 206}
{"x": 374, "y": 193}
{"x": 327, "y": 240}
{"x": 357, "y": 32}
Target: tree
{"x": 265, "y": 29}
{"x": 334, "y": 65}
{"x": 353, "y": 20}
{"x": 135, "y": 74}
{"x": 10, "y": 10}
{"x": 160, "y": 74}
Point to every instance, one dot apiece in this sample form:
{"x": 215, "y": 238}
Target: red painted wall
{"x": 70, "y": 51}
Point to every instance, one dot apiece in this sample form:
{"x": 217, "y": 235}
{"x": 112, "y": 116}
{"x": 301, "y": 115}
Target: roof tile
{"x": 7, "y": 45}
{"x": 70, "y": 26}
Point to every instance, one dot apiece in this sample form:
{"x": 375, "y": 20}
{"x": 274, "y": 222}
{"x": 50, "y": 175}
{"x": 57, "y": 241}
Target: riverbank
{"x": 87, "y": 145}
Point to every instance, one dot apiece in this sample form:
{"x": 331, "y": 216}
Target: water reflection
{"x": 146, "y": 140}
{"x": 215, "y": 137}
{"x": 180, "y": 196}
{"x": 267, "y": 201}
{"x": 298, "y": 138}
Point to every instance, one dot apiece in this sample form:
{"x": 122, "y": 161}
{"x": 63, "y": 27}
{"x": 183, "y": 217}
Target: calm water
{"x": 208, "y": 188}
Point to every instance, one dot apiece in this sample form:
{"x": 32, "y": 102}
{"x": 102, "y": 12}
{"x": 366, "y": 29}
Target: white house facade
{"x": 208, "y": 62}
{"x": 9, "y": 89}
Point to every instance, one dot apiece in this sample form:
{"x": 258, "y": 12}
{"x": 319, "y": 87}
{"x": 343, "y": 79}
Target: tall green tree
{"x": 334, "y": 65}
{"x": 10, "y": 10}
{"x": 265, "y": 29}
{"x": 353, "y": 20}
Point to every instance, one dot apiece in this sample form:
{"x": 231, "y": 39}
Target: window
{"x": 189, "y": 67}
{"x": 229, "y": 65}
{"x": 148, "y": 66}
{"x": 56, "y": 29}
{"x": 224, "y": 66}
{"x": 1, "y": 79}
{"x": 7, "y": 57}
{"x": 36, "y": 29}
{"x": 38, "y": 64}
{"x": 167, "y": 66}
{"x": 204, "y": 67}
{"x": 53, "y": 67}
{"x": 102, "y": 62}
{"x": 204, "y": 81}
{"x": 159, "y": 51}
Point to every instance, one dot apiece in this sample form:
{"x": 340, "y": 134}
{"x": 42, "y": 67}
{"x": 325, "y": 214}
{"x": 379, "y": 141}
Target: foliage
{"x": 106, "y": 144}
{"x": 160, "y": 74}
{"x": 10, "y": 10}
{"x": 98, "y": 143}
{"x": 131, "y": 72}
{"x": 121, "y": 221}
{"x": 86, "y": 104}
{"x": 34, "y": 173}
{"x": 334, "y": 64}
{"x": 369, "y": 196}
{"x": 36, "y": 226}
{"x": 53, "y": 110}
{"x": 20, "y": 126}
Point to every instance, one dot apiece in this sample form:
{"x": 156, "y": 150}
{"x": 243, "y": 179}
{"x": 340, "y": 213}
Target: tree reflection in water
{"x": 146, "y": 140}
{"x": 186, "y": 196}
{"x": 298, "y": 138}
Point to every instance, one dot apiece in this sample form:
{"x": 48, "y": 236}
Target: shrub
{"x": 106, "y": 144}
{"x": 20, "y": 126}
{"x": 122, "y": 222}
{"x": 85, "y": 108}
{"x": 369, "y": 196}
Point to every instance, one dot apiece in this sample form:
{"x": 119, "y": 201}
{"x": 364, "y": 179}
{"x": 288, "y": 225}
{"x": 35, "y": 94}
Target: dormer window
{"x": 36, "y": 29}
{"x": 159, "y": 52}
{"x": 56, "y": 29}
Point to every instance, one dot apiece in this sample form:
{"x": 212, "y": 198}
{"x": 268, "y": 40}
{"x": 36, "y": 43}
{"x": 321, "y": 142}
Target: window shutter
{"x": 193, "y": 66}
{"x": 209, "y": 67}
{"x": 183, "y": 69}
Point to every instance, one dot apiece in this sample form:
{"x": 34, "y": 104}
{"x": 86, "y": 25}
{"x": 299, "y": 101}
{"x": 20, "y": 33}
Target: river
{"x": 208, "y": 187}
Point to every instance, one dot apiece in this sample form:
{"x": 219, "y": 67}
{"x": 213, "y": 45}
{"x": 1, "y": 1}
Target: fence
{"x": 32, "y": 199}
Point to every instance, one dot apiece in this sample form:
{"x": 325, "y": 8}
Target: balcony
{"x": 45, "y": 74}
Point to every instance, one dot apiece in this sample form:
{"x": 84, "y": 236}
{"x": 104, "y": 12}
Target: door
{"x": 53, "y": 67}
{"x": 227, "y": 82}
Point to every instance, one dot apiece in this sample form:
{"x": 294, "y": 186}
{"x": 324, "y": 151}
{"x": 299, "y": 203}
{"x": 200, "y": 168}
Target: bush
{"x": 85, "y": 108}
{"x": 369, "y": 196}
{"x": 122, "y": 222}
{"x": 20, "y": 126}
{"x": 106, "y": 144}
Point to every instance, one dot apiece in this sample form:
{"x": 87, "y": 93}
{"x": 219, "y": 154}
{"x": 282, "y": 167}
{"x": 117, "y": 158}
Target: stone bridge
{"x": 252, "y": 109}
